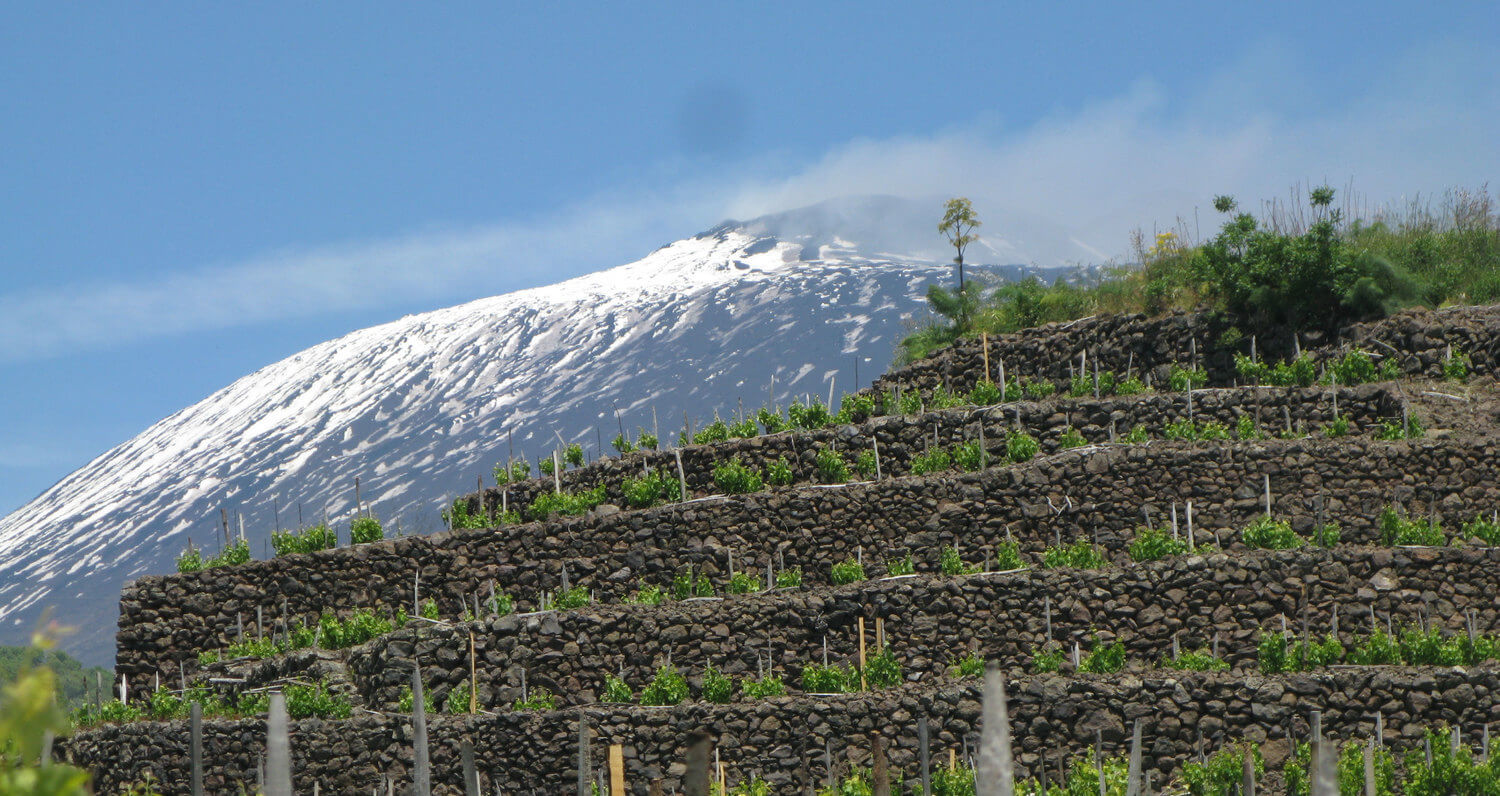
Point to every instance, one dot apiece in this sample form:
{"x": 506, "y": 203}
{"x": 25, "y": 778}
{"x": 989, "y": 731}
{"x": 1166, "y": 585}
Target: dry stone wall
{"x": 783, "y": 739}
{"x": 1419, "y": 340}
{"x": 900, "y": 437}
{"x": 1096, "y": 493}
{"x": 929, "y": 622}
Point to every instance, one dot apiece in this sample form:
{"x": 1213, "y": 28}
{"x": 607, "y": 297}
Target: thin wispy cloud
{"x": 1140, "y": 159}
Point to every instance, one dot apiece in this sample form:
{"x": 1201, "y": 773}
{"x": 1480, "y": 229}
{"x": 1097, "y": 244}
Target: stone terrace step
{"x": 783, "y": 739}
{"x": 165, "y": 621}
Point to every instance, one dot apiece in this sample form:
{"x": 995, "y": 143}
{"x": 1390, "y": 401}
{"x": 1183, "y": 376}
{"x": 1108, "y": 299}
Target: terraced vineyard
{"x": 1113, "y": 511}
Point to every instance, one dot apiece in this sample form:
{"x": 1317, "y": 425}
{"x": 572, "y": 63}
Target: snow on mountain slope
{"x": 418, "y": 408}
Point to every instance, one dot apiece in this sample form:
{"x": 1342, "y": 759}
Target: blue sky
{"x": 189, "y": 192}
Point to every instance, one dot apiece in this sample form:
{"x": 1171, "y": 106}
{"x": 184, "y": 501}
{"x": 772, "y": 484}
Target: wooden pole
{"x": 195, "y": 753}
{"x": 466, "y": 761}
{"x": 985, "y": 338}
{"x": 421, "y": 766}
{"x": 996, "y": 771}
{"x": 278, "y": 749}
{"x": 695, "y": 779}
{"x": 681, "y": 476}
{"x": 925, "y": 751}
{"x": 863, "y": 683}
{"x": 473, "y": 671}
{"x": 881, "y": 786}
{"x": 616, "y": 770}
{"x": 583, "y": 755}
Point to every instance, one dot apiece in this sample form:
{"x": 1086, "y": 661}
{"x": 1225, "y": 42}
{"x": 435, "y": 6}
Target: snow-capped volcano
{"x": 421, "y": 407}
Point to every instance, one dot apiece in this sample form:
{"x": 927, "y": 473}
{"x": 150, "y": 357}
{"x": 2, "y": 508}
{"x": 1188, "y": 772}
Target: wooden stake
{"x": 984, "y": 338}
{"x": 875, "y": 445}
{"x": 681, "y": 477}
{"x": 925, "y": 752}
{"x": 996, "y": 771}
{"x": 466, "y": 762}
{"x": 473, "y": 672}
{"x": 863, "y": 684}
{"x": 1268, "y": 493}
{"x": 195, "y": 752}
{"x": 279, "y": 749}
{"x": 695, "y": 779}
{"x": 584, "y": 775}
{"x": 617, "y": 770}
{"x": 557, "y": 472}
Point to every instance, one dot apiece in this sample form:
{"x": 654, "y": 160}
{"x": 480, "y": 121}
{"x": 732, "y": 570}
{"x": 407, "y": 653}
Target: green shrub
{"x": 1182, "y": 379}
{"x": 935, "y": 460}
{"x": 308, "y": 540}
{"x": 621, "y": 444}
{"x": 1377, "y": 649}
{"x": 1044, "y": 661}
{"x": 546, "y": 466}
{"x": 717, "y": 688}
{"x": 429, "y": 609}
{"x": 1135, "y": 436}
{"x": 855, "y": 408}
{"x": 238, "y": 552}
{"x": 1008, "y": 557}
{"x": 457, "y": 703}
{"x": 1275, "y": 654}
{"x": 1213, "y": 430}
{"x": 406, "y": 701}
{"x": 649, "y": 490}
{"x": 744, "y": 429}
{"x": 808, "y": 417}
{"x": 571, "y": 598}
{"x": 1244, "y": 429}
{"x": 789, "y": 578}
{"x": 647, "y": 594}
{"x": 1456, "y": 366}
{"x": 743, "y": 583}
{"x": 771, "y": 421}
{"x": 191, "y": 560}
{"x": 895, "y": 567}
{"x": 1222, "y": 774}
{"x": 1154, "y": 544}
{"x": 779, "y": 472}
{"x": 1338, "y": 428}
{"x": 308, "y": 701}
{"x": 1107, "y": 659}
{"x": 835, "y": 678}
{"x": 985, "y": 393}
{"x": 1021, "y": 447}
{"x": 768, "y": 685}
{"x": 1450, "y": 773}
{"x": 573, "y": 455}
{"x": 865, "y": 464}
{"x": 716, "y": 431}
{"x": 734, "y": 478}
{"x": 970, "y": 665}
{"x": 685, "y": 586}
{"x": 364, "y": 530}
{"x": 1181, "y": 430}
{"x": 1078, "y": 555}
{"x": 882, "y": 670}
{"x": 1398, "y": 530}
{"x": 501, "y": 604}
{"x": 1266, "y": 533}
{"x": 537, "y": 698}
{"x": 1354, "y": 367}
{"x": 645, "y": 440}
{"x": 950, "y": 563}
{"x": 941, "y": 398}
{"x": 517, "y": 471}
{"x": 1394, "y": 430}
{"x": 1196, "y": 661}
{"x": 970, "y": 457}
{"x": 361, "y": 626}
{"x": 1037, "y": 390}
{"x": 845, "y": 572}
{"x": 957, "y": 781}
{"x": 617, "y": 690}
{"x": 1130, "y": 386}
{"x": 832, "y": 469}
{"x": 1081, "y": 385}
{"x": 566, "y": 504}
{"x": 1485, "y": 530}
{"x": 668, "y": 687}
{"x": 1071, "y": 438}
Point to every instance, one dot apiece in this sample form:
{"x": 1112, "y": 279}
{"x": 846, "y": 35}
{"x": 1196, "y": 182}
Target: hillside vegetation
{"x": 1312, "y": 265}
{"x": 75, "y": 682}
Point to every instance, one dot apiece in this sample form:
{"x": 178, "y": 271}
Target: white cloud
{"x": 1137, "y": 160}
